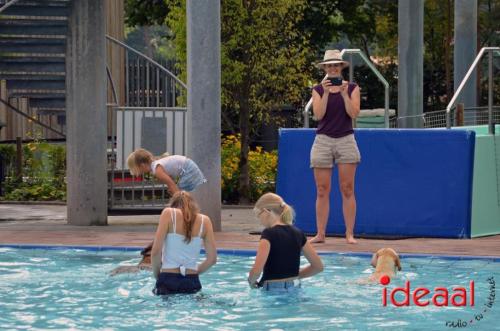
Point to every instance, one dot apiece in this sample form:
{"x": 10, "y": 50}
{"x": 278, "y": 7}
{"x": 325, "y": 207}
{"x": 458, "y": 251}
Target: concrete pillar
{"x": 86, "y": 114}
{"x": 204, "y": 101}
{"x": 465, "y": 49}
{"x": 411, "y": 62}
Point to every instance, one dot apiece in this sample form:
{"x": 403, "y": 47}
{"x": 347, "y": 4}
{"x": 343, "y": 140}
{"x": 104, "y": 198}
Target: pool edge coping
{"x": 248, "y": 252}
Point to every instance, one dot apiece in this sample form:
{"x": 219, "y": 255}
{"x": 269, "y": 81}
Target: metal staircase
{"x": 142, "y": 97}
{"x": 32, "y": 55}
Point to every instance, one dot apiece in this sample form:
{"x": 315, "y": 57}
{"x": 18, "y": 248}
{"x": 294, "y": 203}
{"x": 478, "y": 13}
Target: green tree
{"x": 263, "y": 63}
{"x": 488, "y": 23}
{"x": 146, "y": 12}
{"x": 488, "y": 33}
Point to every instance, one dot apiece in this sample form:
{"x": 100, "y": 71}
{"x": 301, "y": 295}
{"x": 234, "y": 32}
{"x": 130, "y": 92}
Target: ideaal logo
{"x": 440, "y": 297}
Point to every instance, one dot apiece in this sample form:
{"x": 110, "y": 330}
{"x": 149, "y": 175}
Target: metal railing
{"x": 433, "y": 119}
{"x": 377, "y": 73}
{"x": 483, "y": 50}
{"x": 32, "y": 119}
{"x": 150, "y": 60}
{"x": 147, "y": 115}
{"x": 7, "y": 4}
{"x": 437, "y": 119}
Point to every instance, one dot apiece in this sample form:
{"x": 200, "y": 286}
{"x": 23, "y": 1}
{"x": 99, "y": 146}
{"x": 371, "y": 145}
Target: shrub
{"x": 35, "y": 189}
{"x": 262, "y": 170}
{"x": 43, "y": 172}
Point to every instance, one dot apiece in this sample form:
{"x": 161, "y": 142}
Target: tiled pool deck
{"x": 46, "y": 225}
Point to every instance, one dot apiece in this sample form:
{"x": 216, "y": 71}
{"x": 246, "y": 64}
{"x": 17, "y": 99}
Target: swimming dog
{"x": 385, "y": 261}
{"x": 144, "y": 264}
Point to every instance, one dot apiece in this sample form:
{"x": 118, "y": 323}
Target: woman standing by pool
{"x": 280, "y": 247}
{"x": 335, "y": 104}
{"x": 176, "y": 248}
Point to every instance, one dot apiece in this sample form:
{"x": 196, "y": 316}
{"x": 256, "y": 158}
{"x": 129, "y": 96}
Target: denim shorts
{"x": 172, "y": 283}
{"x": 190, "y": 177}
{"x": 286, "y": 285}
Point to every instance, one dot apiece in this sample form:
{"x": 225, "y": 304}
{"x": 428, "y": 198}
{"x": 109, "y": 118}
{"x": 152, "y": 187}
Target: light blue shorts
{"x": 191, "y": 176}
{"x": 288, "y": 285}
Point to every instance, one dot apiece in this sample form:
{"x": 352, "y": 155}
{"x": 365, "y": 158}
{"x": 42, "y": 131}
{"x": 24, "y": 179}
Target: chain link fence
{"x": 437, "y": 119}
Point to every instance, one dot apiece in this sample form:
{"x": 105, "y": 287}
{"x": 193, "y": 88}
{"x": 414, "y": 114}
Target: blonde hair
{"x": 277, "y": 205}
{"x": 186, "y": 203}
{"x": 138, "y": 157}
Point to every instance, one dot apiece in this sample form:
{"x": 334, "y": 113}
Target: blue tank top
{"x": 336, "y": 123}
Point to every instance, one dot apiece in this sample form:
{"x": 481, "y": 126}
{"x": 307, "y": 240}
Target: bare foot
{"x": 350, "y": 240}
{"x": 317, "y": 239}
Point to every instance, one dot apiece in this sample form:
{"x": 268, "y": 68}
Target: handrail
{"x": 162, "y": 68}
{"x": 34, "y": 120}
{"x": 113, "y": 89}
{"x": 7, "y": 5}
{"x": 374, "y": 70}
{"x": 115, "y": 100}
{"x": 464, "y": 81}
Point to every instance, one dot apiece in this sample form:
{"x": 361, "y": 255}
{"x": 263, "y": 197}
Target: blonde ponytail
{"x": 288, "y": 214}
{"x": 275, "y": 203}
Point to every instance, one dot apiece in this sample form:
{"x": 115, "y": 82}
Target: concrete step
{"x": 7, "y": 47}
{"x": 55, "y": 103}
{"x": 37, "y": 9}
{"x": 32, "y": 67}
{"x": 16, "y": 61}
{"x": 49, "y": 111}
{"x": 28, "y": 3}
{"x": 41, "y": 42}
{"x": 20, "y": 84}
{"x": 55, "y": 113}
{"x": 45, "y": 37}
{"x": 60, "y": 76}
{"x": 28, "y": 57}
{"x": 38, "y": 93}
{"x": 49, "y": 31}
{"x": 31, "y": 20}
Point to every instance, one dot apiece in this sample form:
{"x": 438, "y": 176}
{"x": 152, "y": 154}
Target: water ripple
{"x": 71, "y": 289}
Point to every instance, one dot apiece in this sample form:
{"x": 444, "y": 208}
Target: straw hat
{"x": 332, "y": 56}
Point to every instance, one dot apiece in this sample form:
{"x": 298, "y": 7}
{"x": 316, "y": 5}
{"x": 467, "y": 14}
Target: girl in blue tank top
{"x": 178, "y": 172}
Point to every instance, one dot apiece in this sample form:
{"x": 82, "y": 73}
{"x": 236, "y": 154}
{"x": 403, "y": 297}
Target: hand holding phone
{"x": 335, "y": 81}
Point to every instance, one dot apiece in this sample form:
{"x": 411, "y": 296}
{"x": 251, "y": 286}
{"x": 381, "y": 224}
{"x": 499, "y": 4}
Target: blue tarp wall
{"x": 415, "y": 183}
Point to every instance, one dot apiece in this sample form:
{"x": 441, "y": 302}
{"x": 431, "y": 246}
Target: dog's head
{"x": 386, "y": 252}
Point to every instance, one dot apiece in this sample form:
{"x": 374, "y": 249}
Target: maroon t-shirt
{"x": 336, "y": 123}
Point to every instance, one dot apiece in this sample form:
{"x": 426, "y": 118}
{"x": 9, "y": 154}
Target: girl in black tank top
{"x": 280, "y": 246}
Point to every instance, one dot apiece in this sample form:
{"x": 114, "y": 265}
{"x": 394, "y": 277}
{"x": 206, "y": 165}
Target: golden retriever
{"x": 385, "y": 261}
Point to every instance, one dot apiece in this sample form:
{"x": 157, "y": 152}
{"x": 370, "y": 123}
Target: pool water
{"x": 71, "y": 289}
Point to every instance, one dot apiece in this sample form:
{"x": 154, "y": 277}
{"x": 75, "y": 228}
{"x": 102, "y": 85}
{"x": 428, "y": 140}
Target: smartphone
{"x": 335, "y": 81}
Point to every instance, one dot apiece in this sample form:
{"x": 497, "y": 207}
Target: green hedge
{"x": 43, "y": 172}
{"x": 262, "y": 164}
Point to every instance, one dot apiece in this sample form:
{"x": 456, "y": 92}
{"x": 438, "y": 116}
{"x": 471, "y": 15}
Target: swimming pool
{"x": 70, "y": 289}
